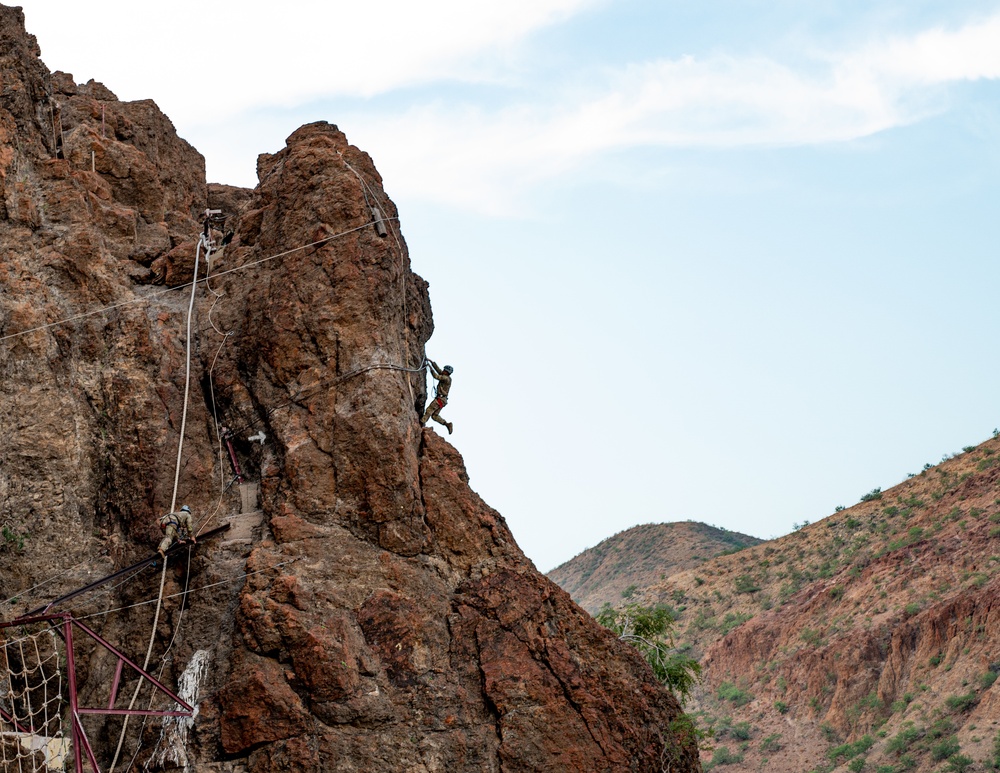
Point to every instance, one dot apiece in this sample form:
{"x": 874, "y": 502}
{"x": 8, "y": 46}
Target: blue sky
{"x": 732, "y": 262}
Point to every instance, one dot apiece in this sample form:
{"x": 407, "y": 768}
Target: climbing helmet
{"x": 448, "y": 369}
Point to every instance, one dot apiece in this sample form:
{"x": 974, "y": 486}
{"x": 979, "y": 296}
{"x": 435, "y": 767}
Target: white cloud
{"x": 219, "y": 67}
{"x": 971, "y": 52}
{"x": 199, "y": 59}
{"x": 486, "y": 159}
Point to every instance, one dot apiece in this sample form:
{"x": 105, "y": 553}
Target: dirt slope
{"x": 640, "y": 557}
{"x": 868, "y": 639}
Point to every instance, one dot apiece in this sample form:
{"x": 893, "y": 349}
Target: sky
{"x": 731, "y": 262}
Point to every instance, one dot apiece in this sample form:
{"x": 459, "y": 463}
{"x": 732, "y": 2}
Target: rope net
{"x": 31, "y": 700}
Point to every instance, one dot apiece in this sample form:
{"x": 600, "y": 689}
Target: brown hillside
{"x": 870, "y": 639}
{"x": 639, "y": 557}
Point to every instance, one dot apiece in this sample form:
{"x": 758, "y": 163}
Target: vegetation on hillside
{"x": 872, "y": 633}
{"x": 650, "y": 630}
{"x": 640, "y": 556}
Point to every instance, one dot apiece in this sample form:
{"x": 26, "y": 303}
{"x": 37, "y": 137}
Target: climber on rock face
{"x": 176, "y": 525}
{"x": 443, "y": 376}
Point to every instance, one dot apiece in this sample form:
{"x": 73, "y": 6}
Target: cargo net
{"x": 31, "y": 700}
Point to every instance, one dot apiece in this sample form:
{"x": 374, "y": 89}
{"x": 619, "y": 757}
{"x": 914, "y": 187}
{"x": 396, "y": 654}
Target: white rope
{"x": 56, "y": 576}
{"x": 331, "y": 381}
{"x": 187, "y": 371}
{"x": 189, "y": 592}
{"x": 31, "y": 684}
{"x": 402, "y": 265}
{"x": 154, "y": 296}
{"x": 222, "y": 494}
{"x": 202, "y": 242}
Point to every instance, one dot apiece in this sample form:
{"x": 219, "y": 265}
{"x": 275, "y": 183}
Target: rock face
{"x": 369, "y": 612}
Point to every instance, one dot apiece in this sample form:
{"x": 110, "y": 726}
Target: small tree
{"x": 650, "y": 630}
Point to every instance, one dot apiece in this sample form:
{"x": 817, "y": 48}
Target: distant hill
{"x": 869, "y": 640}
{"x": 640, "y": 557}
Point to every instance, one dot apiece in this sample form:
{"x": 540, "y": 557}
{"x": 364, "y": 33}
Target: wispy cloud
{"x": 474, "y": 157}
{"x": 214, "y": 59}
{"x": 219, "y": 67}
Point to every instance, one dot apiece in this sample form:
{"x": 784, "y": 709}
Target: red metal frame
{"x": 80, "y": 743}
{"x": 227, "y": 435}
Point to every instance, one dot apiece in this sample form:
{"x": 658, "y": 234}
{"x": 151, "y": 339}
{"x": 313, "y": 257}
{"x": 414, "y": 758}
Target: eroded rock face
{"x": 387, "y": 619}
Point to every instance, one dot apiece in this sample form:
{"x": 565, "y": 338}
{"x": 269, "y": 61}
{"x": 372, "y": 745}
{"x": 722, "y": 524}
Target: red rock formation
{"x": 389, "y": 620}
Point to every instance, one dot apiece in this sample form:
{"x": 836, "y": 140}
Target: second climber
{"x": 443, "y": 377}
{"x": 176, "y": 525}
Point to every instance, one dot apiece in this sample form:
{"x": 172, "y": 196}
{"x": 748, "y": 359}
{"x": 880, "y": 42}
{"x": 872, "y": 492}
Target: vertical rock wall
{"x": 388, "y": 620}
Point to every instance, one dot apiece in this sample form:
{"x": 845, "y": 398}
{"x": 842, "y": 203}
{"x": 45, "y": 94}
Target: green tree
{"x": 650, "y": 630}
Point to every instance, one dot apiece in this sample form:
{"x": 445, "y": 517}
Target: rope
{"x": 188, "y": 592}
{"x": 159, "y": 293}
{"x": 202, "y": 242}
{"x": 18, "y": 595}
{"x": 163, "y": 659}
{"x": 334, "y": 381}
{"x": 31, "y": 686}
{"x": 402, "y": 267}
{"x": 145, "y": 665}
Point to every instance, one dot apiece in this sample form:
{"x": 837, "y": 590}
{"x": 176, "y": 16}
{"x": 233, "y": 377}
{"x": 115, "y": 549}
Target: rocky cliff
{"x": 366, "y": 610}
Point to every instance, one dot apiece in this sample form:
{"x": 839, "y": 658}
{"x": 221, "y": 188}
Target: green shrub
{"x": 856, "y": 765}
{"x": 945, "y": 748}
{"x": 730, "y": 692}
{"x": 732, "y": 620}
{"x": 722, "y": 756}
{"x": 994, "y": 761}
{"x": 740, "y": 731}
{"x": 772, "y": 743}
{"x": 12, "y": 540}
{"x": 960, "y": 763}
{"x": 911, "y": 609}
{"x": 745, "y": 584}
{"x": 959, "y": 703}
{"x": 871, "y": 496}
{"x": 902, "y": 741}
{"x": 941, "y": 728}
{"x": 781, "y": 707}
{"x": 849, "y": 750}
{"x": 986, "y": 680}
{"x": 650, "y": 630}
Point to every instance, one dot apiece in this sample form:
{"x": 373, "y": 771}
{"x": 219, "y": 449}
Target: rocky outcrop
{"x": 370, "y": 612}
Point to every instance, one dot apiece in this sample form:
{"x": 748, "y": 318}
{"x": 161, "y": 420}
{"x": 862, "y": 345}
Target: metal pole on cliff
{"x": 227, "y": 435}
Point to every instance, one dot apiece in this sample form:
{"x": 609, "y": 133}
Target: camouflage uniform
{"x": 171, "y": 524}
{"x": 440, "y": 396}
